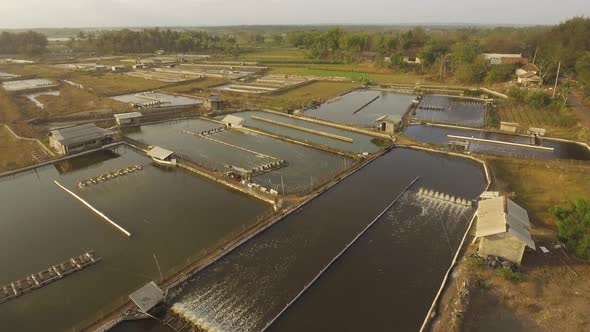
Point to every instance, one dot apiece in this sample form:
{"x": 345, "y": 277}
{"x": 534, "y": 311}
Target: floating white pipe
{"x": 93, "y": 209}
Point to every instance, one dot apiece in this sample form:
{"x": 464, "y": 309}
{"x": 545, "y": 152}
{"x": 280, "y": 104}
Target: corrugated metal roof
{"x": 233, "y": 120}
{"x": 147, "y": 296}
{"x": 130, "y": 115}
{"x": 490, "y": 217}
{"x": 501, "y": 215}
{"x": 79, "y": 134}
{"x": 159, "y": 153}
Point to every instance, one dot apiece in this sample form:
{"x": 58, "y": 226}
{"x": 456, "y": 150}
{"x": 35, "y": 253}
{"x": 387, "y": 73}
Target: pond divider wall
{"x": 332, "y": 124}
{"x": 308, "y": 130}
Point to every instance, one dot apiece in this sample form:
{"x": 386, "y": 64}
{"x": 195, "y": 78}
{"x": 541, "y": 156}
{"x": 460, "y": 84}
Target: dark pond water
{"x": 451, "y": 110}
{"x": 170, "y": 213}
{"x": 386, "y": 281}
{"x": 438, "y": 135}
{"x": 307, "y": 167}
{"x": 342, "y": 109}
{"x": 361, "y": 143}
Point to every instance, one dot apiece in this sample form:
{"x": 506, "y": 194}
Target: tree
{"x": 471, "y": 73}
{"x": 463, "y": 53}
{"x": 583, "y": 72}
{"x": 499, "y": 73}
{"x": 538, "y": 99}
{"x": 573, "y": 226}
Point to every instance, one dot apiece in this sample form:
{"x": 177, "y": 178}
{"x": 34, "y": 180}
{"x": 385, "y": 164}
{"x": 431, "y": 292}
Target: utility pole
{"x": 283, "y": 185}
{"x": 535, "y": 57}
{"x": 556, "y": 78}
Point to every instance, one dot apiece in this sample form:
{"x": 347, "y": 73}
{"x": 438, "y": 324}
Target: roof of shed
{"x": 159, "y": 153}
{"x": 147, "y": 296}
{"x": 130, "y": 115}
{"x": 501, "y": 215}
{"x": 232, "y": 119}
{"x": 79, "y": 134}
{"x": 389, "y": 118}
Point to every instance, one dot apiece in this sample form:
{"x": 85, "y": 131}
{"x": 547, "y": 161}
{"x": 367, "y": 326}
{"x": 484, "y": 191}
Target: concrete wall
{"x": 502, "y": 245}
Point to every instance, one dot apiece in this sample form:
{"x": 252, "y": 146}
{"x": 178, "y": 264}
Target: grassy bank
{"x": 15, "y": 153}
{"x": 539, "y": 186}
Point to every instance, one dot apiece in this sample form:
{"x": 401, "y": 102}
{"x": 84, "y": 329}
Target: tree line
{"x": 30, "y": 42}
{"x": 456, "y": 51}
{"x": 150, "y": 40}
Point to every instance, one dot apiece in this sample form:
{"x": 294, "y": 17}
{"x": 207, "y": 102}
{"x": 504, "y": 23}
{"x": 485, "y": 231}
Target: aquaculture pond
{"x": 171, "y": 214}
{"x": 451, "y": 110}
{"x": 163, "y": 99}
{"x": 438, "y": 135}
{"x": 385, "y": 281}
{"x": 360, "y": 142}
{"x": 306, "y": 167}
{"x": 362, "y": 107}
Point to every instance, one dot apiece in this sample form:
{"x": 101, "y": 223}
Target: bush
{"x": 508, "y": 274}
{"x": 475, "y": 261}
{"x": 499, "y": 73}
{"x": 537, "y": 99}
{"x": 573, "y": 226}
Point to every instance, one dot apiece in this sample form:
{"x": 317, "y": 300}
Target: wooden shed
{"x": 503, "y": 229}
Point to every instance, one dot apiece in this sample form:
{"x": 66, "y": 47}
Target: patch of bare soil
{"x": 552, "y": 295}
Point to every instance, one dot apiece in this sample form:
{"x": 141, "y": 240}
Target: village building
{"x": 233, "y": 121}
{"x": 411, "y": 57}
{"x": 529, "y": 75}
{"x": 389, "y": 123}
{"x": 128, "y": 119}
{"x": 503, "y": 228}
{"x": 75, "y": 139}
{"x": 505, "y": 59}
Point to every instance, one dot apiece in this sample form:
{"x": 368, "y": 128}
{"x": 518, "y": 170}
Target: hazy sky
{"x": 100, "y": 13}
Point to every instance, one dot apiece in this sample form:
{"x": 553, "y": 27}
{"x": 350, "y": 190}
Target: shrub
{"x": 508, "y": 274}
{"x": 499, "y": 73}
{"x": 538, "y": 99}
{"x": 573, "y": 226}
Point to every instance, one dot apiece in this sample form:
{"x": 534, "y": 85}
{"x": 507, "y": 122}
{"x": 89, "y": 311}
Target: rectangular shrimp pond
{"x": 494, "y": 143}
{"x": 451, "y": 110}
{"x": 223, "y": 150}
{"x": 297, "y": 128}
{"x": 171, "y": 214}
{"x": 362, "y": 107}
{"x": 385, "y": 281}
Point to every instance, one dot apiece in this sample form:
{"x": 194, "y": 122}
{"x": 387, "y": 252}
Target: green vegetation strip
{"x": 312, "y": 131}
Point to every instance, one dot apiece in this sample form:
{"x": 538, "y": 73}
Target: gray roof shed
{"x": 79, "y": 134}
{"x": 147, "y": 296}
